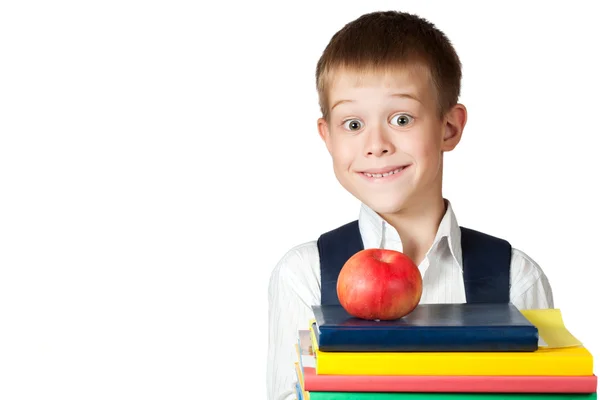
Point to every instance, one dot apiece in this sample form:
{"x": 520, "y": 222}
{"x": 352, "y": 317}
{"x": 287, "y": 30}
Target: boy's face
{"x": 386, "y": 138}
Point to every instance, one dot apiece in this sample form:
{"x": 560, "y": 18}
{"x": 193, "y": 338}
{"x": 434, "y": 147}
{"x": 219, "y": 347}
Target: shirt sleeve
{"x": 530, "y": 287}
{"x": 293, "y": 288}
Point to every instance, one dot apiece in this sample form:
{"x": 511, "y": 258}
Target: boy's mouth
{"x": 384, "y": 172}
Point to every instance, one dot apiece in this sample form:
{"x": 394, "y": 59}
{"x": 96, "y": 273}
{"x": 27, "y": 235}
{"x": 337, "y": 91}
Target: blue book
{"x": 430, "y": 327}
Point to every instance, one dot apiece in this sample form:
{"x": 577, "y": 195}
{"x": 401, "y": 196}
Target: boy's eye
{"x": 402, "y": 119}
{"x": 352, "y": 125}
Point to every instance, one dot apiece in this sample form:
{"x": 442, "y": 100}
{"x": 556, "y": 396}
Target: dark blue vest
{"x": 486, "y": 263}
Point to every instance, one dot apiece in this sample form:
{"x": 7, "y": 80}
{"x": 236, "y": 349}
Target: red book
{"x": 449, "y": 384}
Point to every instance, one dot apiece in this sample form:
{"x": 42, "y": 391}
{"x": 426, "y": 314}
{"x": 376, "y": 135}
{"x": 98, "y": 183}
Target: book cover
{"x": 551, "y": 328}
{"x": 569, "y": 361}
{"x": 430, "y": 327}
{"x": 310, "y": 381}
{"x": 447, "y": 396}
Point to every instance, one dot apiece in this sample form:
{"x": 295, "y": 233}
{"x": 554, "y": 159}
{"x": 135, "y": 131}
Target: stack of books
{"x": 443, "y": 351}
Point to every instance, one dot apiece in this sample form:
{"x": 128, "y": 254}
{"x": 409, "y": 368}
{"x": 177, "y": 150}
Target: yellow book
{"x": 566, "y": 361}
{"x": 551, "y": 328}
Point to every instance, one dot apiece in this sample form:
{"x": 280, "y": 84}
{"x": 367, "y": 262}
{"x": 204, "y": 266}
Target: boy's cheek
{"x": 426, "y": 145}
{"x": 343, "y": 151}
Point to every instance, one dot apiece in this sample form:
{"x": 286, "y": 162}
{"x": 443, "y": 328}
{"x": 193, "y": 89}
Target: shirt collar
{"x": 377, "y": 233}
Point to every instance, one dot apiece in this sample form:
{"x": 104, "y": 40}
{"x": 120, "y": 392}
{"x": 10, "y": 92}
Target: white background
{"x": 158, "y": 158}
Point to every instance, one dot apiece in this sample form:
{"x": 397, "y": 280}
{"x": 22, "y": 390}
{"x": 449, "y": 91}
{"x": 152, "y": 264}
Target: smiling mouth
{"x": 384, "y": 174}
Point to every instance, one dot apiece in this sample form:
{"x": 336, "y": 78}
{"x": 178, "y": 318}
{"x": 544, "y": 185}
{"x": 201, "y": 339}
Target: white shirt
{"x": 295, "y": 286}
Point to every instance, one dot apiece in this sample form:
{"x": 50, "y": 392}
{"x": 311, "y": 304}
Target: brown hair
{"x": 381, "y": 41}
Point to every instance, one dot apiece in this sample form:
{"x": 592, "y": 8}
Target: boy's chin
{"x": 382, "y": 206}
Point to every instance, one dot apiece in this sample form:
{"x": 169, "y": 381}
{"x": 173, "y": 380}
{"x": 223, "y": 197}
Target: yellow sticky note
{"x": 551, "y": 328}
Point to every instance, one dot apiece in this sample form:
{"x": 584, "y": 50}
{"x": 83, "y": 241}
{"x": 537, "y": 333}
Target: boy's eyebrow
{"x": 402, "y": 95}
{"x": 340, "y": 102}
{"x": 406, "y": 95}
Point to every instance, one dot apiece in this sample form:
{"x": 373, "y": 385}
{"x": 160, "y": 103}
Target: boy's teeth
{"x": 384, "y": 175}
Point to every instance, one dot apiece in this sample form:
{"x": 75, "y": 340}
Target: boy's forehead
{"x": 409, "y": 79}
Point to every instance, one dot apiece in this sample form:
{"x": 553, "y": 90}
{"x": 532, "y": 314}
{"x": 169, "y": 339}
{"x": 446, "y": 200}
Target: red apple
{"x": 379, "y": 284}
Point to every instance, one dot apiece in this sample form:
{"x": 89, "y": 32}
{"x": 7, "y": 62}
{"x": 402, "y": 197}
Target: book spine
{"x": 500, "y": 339}
{"x": 449, "y": 384}
{"x": 449, "y": 363}
{"x": 446, "y": 396}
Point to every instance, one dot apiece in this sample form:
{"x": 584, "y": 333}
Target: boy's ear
{"x": 323, "y": 128}
{"x": 455, "y": 122}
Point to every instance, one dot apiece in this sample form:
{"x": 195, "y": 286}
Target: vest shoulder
{"x": 347, "y": 227}
{"x": 481, "y": 237}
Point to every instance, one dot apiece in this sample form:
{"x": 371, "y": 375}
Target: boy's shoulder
{"x": 300, "y": 253}
{"x": 525, "y": 271}
{"x": 300, "y": 263}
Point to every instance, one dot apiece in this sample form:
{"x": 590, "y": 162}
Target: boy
{"x": 388, "y": 87}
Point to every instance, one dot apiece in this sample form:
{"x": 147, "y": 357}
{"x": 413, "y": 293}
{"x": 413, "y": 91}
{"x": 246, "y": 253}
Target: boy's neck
{"x": 417, "y": 225}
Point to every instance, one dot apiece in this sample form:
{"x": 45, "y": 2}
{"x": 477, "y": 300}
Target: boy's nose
{"x": 377, "y": 143}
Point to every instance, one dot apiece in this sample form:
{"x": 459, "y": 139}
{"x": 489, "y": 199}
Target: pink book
{"x": 449, "y": 384}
